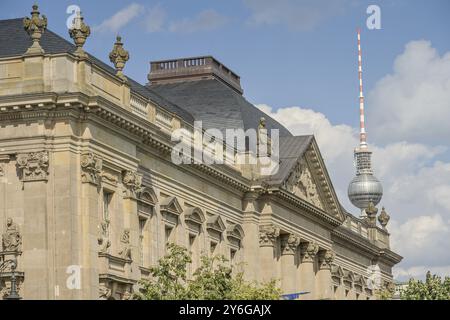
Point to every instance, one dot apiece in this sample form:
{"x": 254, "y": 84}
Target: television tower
{"x": 364, "y": 187}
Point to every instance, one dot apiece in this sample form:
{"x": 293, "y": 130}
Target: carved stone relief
{"x": 91, "y": 166}
{"x": 301, "y": 183}
{"x": 309, "y": 251}
{"x": 33, "y": 166}
{"x": 268, "y": 235}
{"x": 289, "y": 244}
{"x": 11, "y": 238}
{"x": 132, "y": 182}
{"x": 125, "y": 251}
{"x": 103, "y": 237}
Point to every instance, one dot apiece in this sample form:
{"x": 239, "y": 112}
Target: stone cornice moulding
{"x": 319, "y": 215}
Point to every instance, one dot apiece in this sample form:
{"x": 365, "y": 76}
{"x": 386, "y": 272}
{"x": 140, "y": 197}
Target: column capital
{"x": 33, "y": 166}
{"x": 308, "y": 251}
{"x": 289, "y": 244}
{"x": 268, "y": 234}
{"x": 326, "y": 258}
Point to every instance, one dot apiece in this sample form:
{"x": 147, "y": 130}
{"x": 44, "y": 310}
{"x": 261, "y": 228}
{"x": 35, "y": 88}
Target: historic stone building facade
{"x": 88, "y": 188}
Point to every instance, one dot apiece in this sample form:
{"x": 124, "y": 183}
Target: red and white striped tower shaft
{"x": 362, "y": 127}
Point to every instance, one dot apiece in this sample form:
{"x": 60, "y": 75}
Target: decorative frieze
{"x": 268, "y": 235}
{"x": 132, "y": 182}
{"x": 289, "y": 244}
{"x": 309, "y": 251}
{"x": 326, "y": 258}
{"x": 11, "y": 238}
{"x": 91, "y": 166}
{"x": 33, "y": 166}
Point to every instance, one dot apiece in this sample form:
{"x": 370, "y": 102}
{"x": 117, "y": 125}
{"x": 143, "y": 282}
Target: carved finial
{"x": 79, "y": 33}
{"x": 371, "y": 213}
{"x": 383, "y": 218}
{"x": 119, "y": 56}
{"x": 35, "y": 27}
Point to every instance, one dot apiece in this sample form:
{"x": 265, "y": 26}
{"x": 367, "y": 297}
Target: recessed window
{"x": 213, "y": 247}
{"x": 232, "y": 256}
{"x": 142, "y": 223}
{"x": 107, "y": 200}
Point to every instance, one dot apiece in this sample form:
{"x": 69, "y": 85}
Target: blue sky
{"x": 307, "y": 63}
{"x": 298, "y": 62}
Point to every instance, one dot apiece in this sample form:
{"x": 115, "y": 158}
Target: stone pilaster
{"x": 307, "y": 275}
{"x": 289, "y": 245}
{"x": 324, "y": 287}
{"x": 91, "y": 206}
{"x": 33, "y": 171}
{"x": 132, "y": 183}
{"x": 268, "y": 236}
{"x": 250, "y": 242}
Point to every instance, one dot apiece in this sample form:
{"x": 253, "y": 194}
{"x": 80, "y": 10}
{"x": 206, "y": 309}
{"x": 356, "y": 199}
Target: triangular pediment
{"x": 216, "y": 223}
{"x": 171, "y": 205}
{"x": 308, "y": 179}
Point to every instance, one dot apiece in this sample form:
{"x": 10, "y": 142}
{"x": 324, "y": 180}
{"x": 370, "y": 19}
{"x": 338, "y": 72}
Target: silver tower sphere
{"x": 364, "y": 187}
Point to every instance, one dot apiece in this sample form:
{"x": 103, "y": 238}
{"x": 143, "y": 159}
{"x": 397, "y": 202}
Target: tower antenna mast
{"x": 362, "y": 126}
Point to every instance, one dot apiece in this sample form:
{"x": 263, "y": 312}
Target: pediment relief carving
{"x": 301, "y": 183}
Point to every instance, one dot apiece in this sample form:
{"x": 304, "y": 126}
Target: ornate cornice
{"x": 303, "y": 204}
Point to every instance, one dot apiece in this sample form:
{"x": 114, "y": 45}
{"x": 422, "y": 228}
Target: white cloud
{"x": 413, "y": 103}
{"x": 120, "y": 19}
{"x": 296, "y": 15}
{"x": 155, "y": 18}
{"x": 205, "y": 21}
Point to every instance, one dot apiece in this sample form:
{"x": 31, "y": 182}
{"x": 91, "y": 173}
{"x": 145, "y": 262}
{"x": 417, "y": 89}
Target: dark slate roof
{"x": 15, "y": 41}
{"x": 291, "y": 150}
{"x": 216, "y": 105}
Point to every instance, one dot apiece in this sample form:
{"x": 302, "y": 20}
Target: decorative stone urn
{"x": 79, "y": 33}
{"x": 384, "y": 218}
{"x": 35, "y": 27}
{"x": 119, "y": 56}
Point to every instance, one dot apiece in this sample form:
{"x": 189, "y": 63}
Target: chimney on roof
{"x": 192, "y": 69}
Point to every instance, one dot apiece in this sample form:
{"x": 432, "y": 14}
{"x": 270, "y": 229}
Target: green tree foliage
{"x": 432, "y": 289}
{"x": 213, "y": 280}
